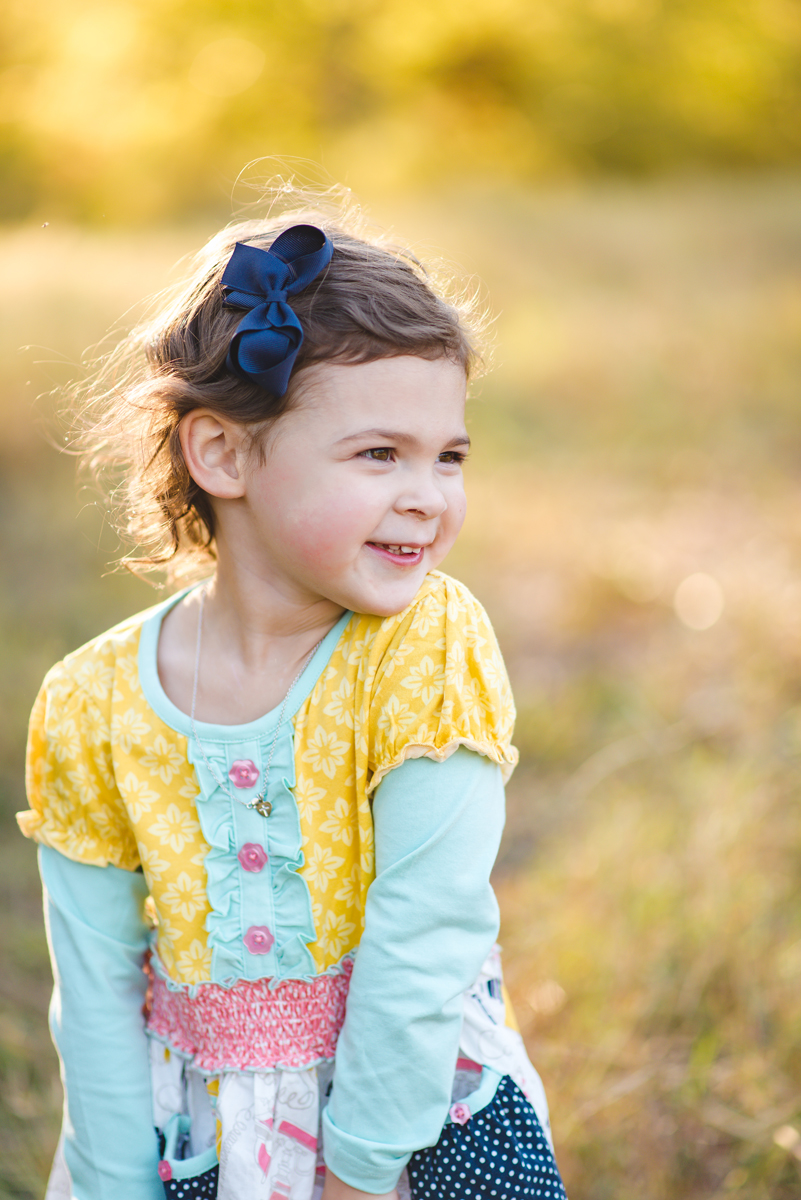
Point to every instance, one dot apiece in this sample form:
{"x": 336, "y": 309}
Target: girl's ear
{"x": 214, "y": 451}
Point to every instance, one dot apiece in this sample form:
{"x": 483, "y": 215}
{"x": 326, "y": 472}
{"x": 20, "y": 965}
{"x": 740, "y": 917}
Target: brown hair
{"x": 373, "y": 301}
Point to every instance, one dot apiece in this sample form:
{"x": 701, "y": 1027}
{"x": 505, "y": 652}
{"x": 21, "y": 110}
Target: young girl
{"x": 268, "y": 807}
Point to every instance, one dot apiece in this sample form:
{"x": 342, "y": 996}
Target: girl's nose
{"x": 425, "y": 500}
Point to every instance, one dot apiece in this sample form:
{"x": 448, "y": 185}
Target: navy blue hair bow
{"x": 266, "y": 342}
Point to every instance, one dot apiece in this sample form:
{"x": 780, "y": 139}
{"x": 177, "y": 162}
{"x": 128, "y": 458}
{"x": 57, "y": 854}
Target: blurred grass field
{"x": 635, "y": 532}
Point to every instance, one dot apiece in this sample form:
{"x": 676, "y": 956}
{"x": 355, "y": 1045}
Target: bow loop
{"x": 266, "y": 341}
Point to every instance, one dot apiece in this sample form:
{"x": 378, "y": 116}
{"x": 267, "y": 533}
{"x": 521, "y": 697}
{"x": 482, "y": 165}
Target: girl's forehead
{"x": 417, "y": 388}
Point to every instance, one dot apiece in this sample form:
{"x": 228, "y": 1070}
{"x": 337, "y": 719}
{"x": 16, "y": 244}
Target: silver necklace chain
{"x": 261, "y": 804}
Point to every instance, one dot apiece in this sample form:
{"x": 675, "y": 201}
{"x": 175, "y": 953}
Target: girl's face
{"x": 361, "y": 491}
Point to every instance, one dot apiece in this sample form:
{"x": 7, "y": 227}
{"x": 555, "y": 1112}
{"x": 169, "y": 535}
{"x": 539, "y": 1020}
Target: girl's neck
{"x": 256, "y": 622}
{"x": 255, "y": 639}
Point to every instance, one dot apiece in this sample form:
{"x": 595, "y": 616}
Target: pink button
{"x": 460, "y": 1113}
{"x": 165, "y": 1170}
{"x": 244, "y": 773}
{"x": 253, "y": 857}
{"x": 258, "y": 939}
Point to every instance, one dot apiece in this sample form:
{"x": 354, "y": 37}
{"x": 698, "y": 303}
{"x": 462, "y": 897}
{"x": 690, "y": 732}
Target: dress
{"x": 263, "y": 1026}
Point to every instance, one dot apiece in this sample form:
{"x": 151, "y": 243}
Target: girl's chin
{"x": 387, "y": 600}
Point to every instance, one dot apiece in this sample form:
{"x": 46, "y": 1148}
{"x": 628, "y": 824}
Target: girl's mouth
{"x": 403, "y": 555}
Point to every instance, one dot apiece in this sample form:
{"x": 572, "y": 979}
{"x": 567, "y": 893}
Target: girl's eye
{"x": 379, "y": 454}
{"x": 452, "y": 456}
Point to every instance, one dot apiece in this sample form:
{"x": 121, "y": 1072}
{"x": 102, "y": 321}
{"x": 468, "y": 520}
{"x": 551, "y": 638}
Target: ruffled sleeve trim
{"x": 505, "y": 756}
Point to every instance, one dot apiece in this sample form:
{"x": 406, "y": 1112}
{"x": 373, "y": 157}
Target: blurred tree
{"x": 139, "y": 110}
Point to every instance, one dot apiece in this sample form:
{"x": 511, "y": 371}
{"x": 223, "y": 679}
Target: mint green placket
{"x": 261, "y": 919}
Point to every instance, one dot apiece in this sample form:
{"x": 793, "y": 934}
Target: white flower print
{"x": 128, "y": 668}
{"x": 340, "y": 707}
{"x": 328, "y": 674}
{"x": 128, "y": 729}
{"x": 137, "y": 796}
{"x": 395, "y": 717}
{"x": 428, "y": 616}
{"x": 164, "y": 759}
{"x": 322, "y": 867}
{"x": 60, "y": 803}
{"x": 325, "y": 752}
{"x": 81, "y": 842}
{"x": 424, "y": 735}
{"x": 455, "y": 665}
{"x": 105, "y": 766}
{"x": 339, "y": 824}
{"x": 308, "y": 797}
{"x": 185, "y": 896}
{"x": 195, "y": 963}
{"x": 94, "y": 726}
{"x": 350, "y": 891}
{"x": 395, "y": 657}
{"x": 84, "y": 782}
{"x": 96, "y": 678}
{"x": 367, "y": 858}
{"x": 475, "y": 701}
{"x": 174, "y": 828}
{"x": 360, "y": 649}
{"x": 153, "y": 866}
{"x": 335, "y": 934}
{"x": 107, "y": 822}
{"x": 474, "y": 639}
{"x": 189, "y": 789}
{"x": 494, "y": 673}
{"x": 64, "y": 739}
{"x": 455, "y": 605}
{"x": 425, "y": 681}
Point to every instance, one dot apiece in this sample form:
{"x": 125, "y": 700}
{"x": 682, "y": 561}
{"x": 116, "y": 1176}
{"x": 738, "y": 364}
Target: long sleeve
{"x": 431, "y": 918}
{"x": 97, "y": 938}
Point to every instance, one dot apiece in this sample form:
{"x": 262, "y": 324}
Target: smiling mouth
{"x": 403, "y": 553}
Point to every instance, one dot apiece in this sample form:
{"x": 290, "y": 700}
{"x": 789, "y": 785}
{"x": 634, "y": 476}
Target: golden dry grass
{"x": 640, "y": 430}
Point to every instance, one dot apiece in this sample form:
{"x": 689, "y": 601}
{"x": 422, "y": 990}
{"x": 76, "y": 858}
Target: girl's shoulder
{"x": 424, "y": 681}
{"x": 443, "y": 607}
{"x": 90, "y": 671}
{"x": 75, "y": 803}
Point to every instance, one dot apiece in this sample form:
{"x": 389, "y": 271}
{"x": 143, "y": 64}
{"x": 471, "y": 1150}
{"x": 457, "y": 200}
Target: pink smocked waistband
{"x": 249, "y": 1027}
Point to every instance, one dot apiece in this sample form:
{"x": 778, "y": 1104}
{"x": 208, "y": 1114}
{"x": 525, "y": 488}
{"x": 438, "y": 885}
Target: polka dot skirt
{"x": 199, "y": 1187}
{"x": 499, "y": 1153}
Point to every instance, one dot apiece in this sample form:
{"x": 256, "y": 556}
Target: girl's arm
{"x": 431, "y": 918}
{"x": 98, "y": 939}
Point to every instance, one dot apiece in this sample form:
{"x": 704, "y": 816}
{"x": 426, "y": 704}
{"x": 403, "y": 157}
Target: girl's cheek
{"x": 327, "y": 537}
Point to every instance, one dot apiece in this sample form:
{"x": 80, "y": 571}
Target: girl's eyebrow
{"x": 394, "y": 435}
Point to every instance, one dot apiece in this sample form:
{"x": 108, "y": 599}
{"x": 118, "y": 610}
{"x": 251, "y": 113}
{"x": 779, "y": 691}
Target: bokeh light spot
{"x": 698, "y": 601}
{"x": 227, "y": 67}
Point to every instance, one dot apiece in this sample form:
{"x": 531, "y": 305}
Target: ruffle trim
{"x": 505, "y": 756}
{"x": 292, "y": 920}
{"x": 342, "y": 967}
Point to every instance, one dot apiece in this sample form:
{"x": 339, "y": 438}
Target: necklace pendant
{"x": 262, "y": 806}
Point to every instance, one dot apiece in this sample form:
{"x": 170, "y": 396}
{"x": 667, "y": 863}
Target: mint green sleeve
{"x": 431, "y": 918}
{"x": 98, "y": 938}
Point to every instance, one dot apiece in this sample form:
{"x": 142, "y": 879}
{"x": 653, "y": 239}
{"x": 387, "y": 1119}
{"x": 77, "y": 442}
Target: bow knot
{"x": 267, "y": 340}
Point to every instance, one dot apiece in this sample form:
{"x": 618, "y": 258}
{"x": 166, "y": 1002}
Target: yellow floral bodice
{"x": 111, "y": 780}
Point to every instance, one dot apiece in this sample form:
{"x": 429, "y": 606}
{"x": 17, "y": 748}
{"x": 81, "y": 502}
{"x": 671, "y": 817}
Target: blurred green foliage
{"x": 136, "y": 110}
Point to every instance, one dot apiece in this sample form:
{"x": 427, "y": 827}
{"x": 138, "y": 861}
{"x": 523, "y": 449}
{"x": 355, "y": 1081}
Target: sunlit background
{"x": 624, "y": 176}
